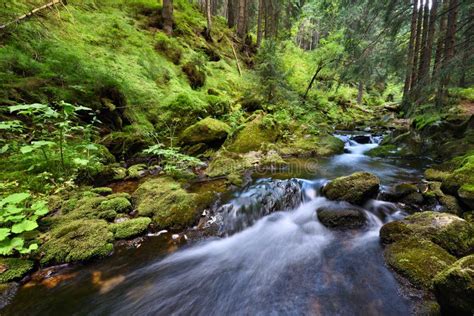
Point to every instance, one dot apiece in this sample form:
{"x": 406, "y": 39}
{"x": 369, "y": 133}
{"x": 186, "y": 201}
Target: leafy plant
{"x": 17, "y": 217}
{"x": 174, "y": 162}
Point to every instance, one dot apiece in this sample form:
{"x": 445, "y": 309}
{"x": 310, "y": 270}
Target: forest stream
{"x": 273, "y": 256}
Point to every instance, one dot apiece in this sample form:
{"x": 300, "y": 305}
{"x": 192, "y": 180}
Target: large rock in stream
{"x": 454, "y": 287}
{"x": 356, "y": 188}
{"x": 342, "y": 217}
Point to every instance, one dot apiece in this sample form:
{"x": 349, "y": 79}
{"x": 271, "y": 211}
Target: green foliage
{"x": 55, "y": 145}
{"x": 174, "y": 162}
{"x": 18, "y": 216}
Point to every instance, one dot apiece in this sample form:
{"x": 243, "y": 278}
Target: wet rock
{"x": 7, "y": 293}
{"x": 14, "y": 269}
{"x": 207, "y": 131}
{"x": 450, "y": 203}
{"x": 253, "y": 136}
{"x": 77, "y": 240}
{"x": 356, "y": 188}
{"x": 466, "y": 195}
{"x": 418, "y": 260}
{"x": 454, "y": 287}
{"x": 166, "y": 202}
{"x": 342, "y": 218}
{"x": 448, "y": 231}
{"x": 432, "y": 174}
{"x": 362, "y": 139}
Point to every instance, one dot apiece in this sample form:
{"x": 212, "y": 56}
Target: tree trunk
{"x": 441, "y": 38}
{"x": 261, "y": 12}
{"x": 231, "y": 13}
{"x": 268, "y": 18}
{"x": 429, "y": 42}
{"x": 209, "y": 20}
{"x": 241, "y": 27}
{"x": 414, "y": 74}
{"x": 424, "y": 41}
{"x": 449, "y": 44}
{"x": 167, "y": 15}
{"x": 411, "y": 47}
{"x": 360, "y": 92}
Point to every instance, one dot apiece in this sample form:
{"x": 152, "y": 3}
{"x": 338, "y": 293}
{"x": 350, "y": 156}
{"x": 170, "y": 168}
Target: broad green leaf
{"x": 24, "y": 226}
{"x": 29, "y": 249}
{"x": 11, "y": 125}
{"x": 40, "y": 208}
{"x": 4, "y": 148}
{"x": 8, "y": 245}
{"x": 91, "y": 147}
{"x": 43, "y": 143}
{"x": 81, "y": 162}
{"x": 15, "y": 198}
{"x": 4, "y": 233}
{"x": 27, "y": 149}
{"x": 11, "y": 209}
{"x": 27, "y": 107}
{"x": 14, "y": 218}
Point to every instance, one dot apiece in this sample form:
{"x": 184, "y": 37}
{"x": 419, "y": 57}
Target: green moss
{"x": 394, "y": 231}
{"x": 355, "y": 189}
{"x": 206, "y": 131}
{"x": 117, "y": 204}
{"x": 388, "y": 150}
{"x": 302, "y": 145}
{"x": 169, "y": 205}
{"x": 136, "y": 171}
{"x": 130, "y": 228}
{"x": 435, "y": 175}
{"x": 77, "y": 240}
{"x": 461, "y": 176}
{"x": 253, "y": 136}
{"x": 14, "y": 269}
{"x": 454, "y": 287}
{"x": 224, "y": 163}
{"x": 418, "y": 260}
{"x": 102, "y": 190}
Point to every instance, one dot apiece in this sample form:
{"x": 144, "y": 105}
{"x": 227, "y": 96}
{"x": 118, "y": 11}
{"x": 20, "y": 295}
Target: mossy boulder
{"x": 116, "y": 204}
{"x": 208, "y": 131}
{"x": 466, "y": 195}
{"x": 356, "y": 188}
{"x": 253, "y": 136}
{"x": 454, "y": 287}
{"x": 77, "y": 240}
{"x": 449, "y": 231}
{"x": 130, "y": 228}
{"x": 304, "y": 145}
{"x": 463, "y": 175}
{"x": 136, "y": 171}
{"x": 166, "y": 202}
{"x": 387, "y": 150}
{"x": 104, "y": 191}
{"x": 14, "y": 269}
{"x": 342, "y": 218}
{"x": 418, "y": 260}
{"x": 432, "y": 174}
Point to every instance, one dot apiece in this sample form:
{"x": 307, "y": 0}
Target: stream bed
{"x": 272, "y": 256}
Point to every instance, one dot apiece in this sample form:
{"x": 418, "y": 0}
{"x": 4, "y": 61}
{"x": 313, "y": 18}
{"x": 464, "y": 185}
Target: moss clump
{"x": 102, "y": 190}
{"x": 14, "y": 269}
{"x": 432, "y": 174}
{"x": 130, "y": 228}
{"x": 394, "y": 231}
{"x": 136, "y": 171}
{"x": 466, "y": 194}
{"x": 77, "y": 241}
{"x": 454, "y": 287}
{"x": 169, "y": 205}
{"x": 355, "y": 189}
{"x": 206, "y": 131}
{"x": 463, "y": 175}
{"x": 117, "y": 204}
{"x": 309, "y": 145}
{"x": 388, "y": 150}
{"x": 224, "y": 163}
{"x": 418, "y": 260}
{"x": 253, "y": 136}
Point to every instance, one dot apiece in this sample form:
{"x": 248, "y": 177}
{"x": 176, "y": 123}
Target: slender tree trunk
{"x": 411, "y": 47}
{"x": 429, "y": 42}
{"x": 261, "y": 12}
{"x": 268, "y": 18}
{"x": 209, "y": 19}
{"x": 241, "y": 27}
{"x": 441, "y": 39}
{"x": 414, "y": 78}
{"x": 167, "y": 15}
{"x": 360, "y": 92}
{"x": 424, "y": 42}
{"x": 449, "y": 44}
{"x": 231, "y": 13}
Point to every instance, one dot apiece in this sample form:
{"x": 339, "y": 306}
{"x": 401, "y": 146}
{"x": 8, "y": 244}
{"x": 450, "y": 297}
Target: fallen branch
{"x": 31, "y": 13}
{"x": 236, "y": 58}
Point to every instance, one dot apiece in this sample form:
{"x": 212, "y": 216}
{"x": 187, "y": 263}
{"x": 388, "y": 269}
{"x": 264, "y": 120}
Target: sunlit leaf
{"x": 24, "y": 226}
{"x": 15, "y": 198}
{"x": 4, "y": 233}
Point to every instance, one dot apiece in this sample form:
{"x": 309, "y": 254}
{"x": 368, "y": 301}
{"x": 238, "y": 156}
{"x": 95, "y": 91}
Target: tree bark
{"x": 241, "y": 22}
{"x": 416, "y": 52}
{"x": 209, "y": 20}
{"x": 231, "y": 13}
{"x": 261, "y": 12}
{"x": 429, "y": 42}
{"x": 440, "y": 41}
{"x": 360, "y": 92}
{"x": 424, "y": 41}
{"x": 411, "y": 47}
{"x": 167, "y": 15}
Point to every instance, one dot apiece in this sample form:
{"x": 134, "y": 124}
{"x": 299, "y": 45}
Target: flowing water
{"x": 273, "y": 257}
